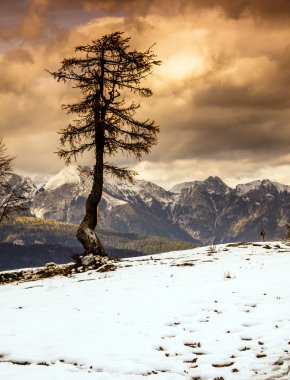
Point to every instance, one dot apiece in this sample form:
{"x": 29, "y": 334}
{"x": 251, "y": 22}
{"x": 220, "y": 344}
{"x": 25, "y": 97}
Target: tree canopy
{"x": 104, "y": 75}
{"x": 107, "y": 72}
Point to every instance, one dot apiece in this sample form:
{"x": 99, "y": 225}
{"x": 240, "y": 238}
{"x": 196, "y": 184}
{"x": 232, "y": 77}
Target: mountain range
{"x": 204, "y": 212}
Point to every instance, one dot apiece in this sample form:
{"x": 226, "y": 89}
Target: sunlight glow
{"x": 181, "y": 65}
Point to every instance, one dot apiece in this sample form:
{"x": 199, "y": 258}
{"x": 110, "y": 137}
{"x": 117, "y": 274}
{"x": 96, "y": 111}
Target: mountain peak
{"x": 256, "y": 185}
{"x": 215, "y": 181}
{"x": 212, "y": 183}
{"x": 69, "y": 174}
{"x": 180, "y": 186}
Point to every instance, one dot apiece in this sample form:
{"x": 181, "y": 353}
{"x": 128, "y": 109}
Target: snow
{"x": 255, "y": 185}
{"x": 69, "y": 174}
{"x": 212, "y": 185}
{"x": 147, "y": 191}
{"x": 210, "y": 313}
{"x": 38, "y": 212}
{"x": 180, "y": 186}
{"x": 281, "y": 188}
{"x": 112, "y": 202}
{"x": 247, "y": 187}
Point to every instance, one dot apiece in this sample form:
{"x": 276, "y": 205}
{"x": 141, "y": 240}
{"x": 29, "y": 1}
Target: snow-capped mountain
{"x": 68, "y": 175}
{"x": 200, "y": 211}
{"x": 212, "y": 185}
{"x": 256, "y": 185}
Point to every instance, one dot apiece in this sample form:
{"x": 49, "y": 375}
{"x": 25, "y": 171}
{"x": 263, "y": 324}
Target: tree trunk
{"x": 88, "y": 238}
{"x": 85, "y": 232}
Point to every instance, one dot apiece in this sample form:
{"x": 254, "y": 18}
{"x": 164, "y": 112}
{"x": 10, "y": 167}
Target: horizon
{"x": 221, "y": 97}
{"x": 39, "y": 179}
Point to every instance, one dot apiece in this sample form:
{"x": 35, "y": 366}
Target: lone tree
{"x": 13, "y": 194}
{"x": 105, "y": 72}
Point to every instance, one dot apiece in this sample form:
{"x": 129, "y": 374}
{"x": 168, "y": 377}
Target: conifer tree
{"x": 106, "y": 72}
{"x": 13, "y": 196}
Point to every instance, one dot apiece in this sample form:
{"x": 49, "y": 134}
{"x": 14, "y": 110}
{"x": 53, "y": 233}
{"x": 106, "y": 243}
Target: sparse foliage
{"x": 212, "y": 249}
{"x": 13, "y": 195}
{"x": 106, "y": 71}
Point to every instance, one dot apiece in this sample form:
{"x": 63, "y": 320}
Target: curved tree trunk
{"x": 85, "y": 232}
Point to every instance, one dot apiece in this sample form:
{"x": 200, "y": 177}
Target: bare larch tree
{"x": 13, "y": 195}
{"x": 106, "y": 72}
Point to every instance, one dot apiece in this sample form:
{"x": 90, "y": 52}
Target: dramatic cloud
{"x": 232, "y": 9}
{"x": 221, "y": 96}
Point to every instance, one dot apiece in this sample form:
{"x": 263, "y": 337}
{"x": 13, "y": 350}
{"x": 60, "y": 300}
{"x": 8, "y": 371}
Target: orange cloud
{"x": 221, "y": 96}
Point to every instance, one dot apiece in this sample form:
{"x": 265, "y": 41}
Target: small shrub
{"x": 212, "y": 249}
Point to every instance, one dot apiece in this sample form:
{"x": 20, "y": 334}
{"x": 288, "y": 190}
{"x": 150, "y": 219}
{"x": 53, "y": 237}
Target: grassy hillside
{"x": 30, "y": 231}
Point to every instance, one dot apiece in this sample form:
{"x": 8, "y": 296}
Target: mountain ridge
{"x": 204, "y": 212}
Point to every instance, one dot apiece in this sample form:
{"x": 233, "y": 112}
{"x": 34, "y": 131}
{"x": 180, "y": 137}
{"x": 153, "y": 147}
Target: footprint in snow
{"x": 204, "y": 320}
{"x": 246, "y": 338}
{"x": 168, "y": 337}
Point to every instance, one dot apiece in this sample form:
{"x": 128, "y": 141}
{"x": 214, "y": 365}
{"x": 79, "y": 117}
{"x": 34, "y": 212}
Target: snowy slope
{"x": 207, "y": 313}
{"x": 68, "y": 175}
{"x": 211, "y": 185}
{"x": 146, "y": 191}
{"x": 256, "y": 185}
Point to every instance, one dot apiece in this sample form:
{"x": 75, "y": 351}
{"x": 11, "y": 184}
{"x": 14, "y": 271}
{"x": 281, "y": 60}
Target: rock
{"x": 47, "y": 265}
{"x": 106, "y": 268}
{"x": 279, "y": 362}
{"x": 36, "y": 274}
{"x": 88, "y": 260}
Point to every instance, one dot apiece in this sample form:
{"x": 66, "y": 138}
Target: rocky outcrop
{"x": 83, "y": 264}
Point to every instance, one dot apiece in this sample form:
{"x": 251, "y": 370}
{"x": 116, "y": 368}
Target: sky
{"x": 221, "y": 96}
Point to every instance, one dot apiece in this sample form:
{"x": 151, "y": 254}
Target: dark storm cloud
{"x": 22, "y": 18}
{"x": 232, "y": 8}
{"x": 271, "y": 90}
{"x": 28, "y": 18}
{"x": 219, "y": 136}
{"x": 241, "y": 8}
{"x": 251, "y": 133}
{"x": 225, "y": 95}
